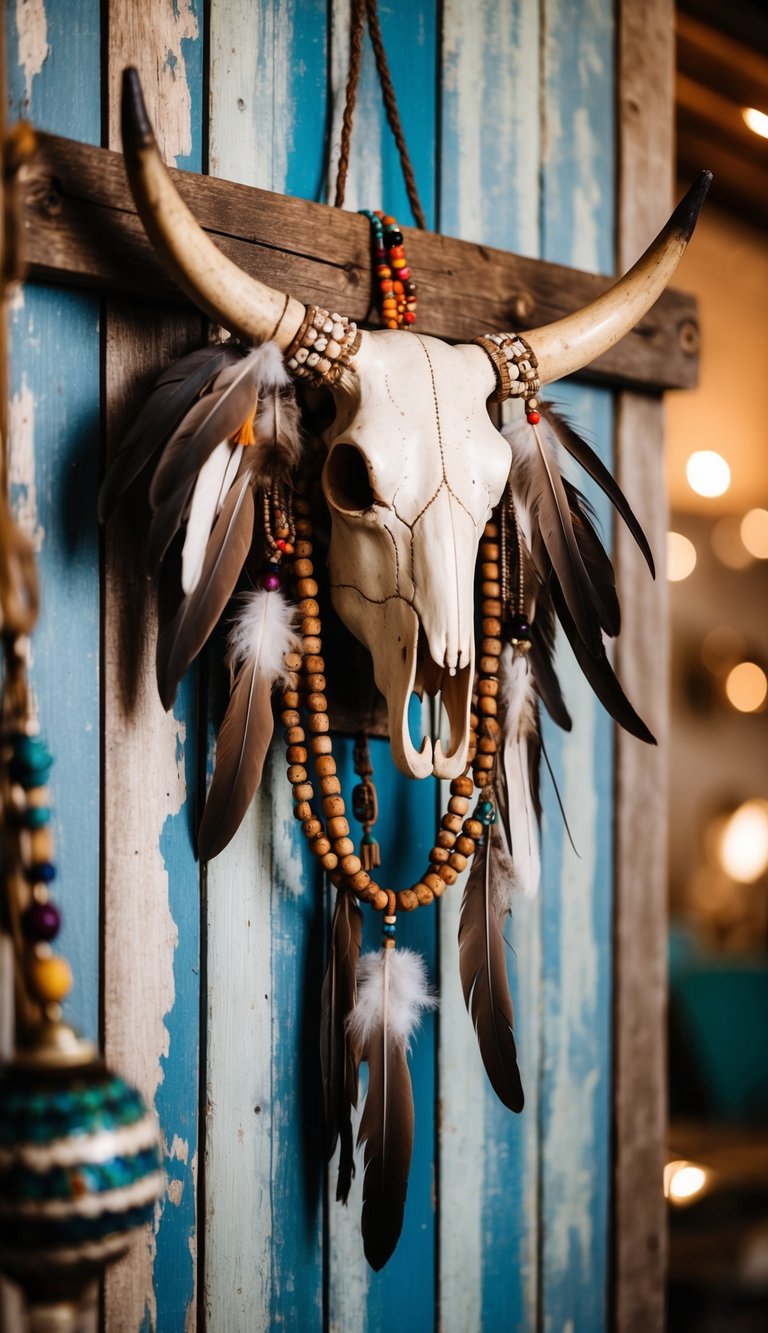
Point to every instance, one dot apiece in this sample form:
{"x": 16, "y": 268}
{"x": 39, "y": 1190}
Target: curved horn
{"x": 578, "y": 339}
{"x": 245, "y": 306}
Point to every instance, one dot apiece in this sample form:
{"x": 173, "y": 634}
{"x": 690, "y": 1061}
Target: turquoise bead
{"x": 35, "y": 816}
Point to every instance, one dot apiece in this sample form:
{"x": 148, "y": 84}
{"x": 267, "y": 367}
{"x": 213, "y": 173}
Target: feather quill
{"x": 261, "y": 637}
{"x": 483, "y": 970}
{"x": 391, "y": 996}
{"x": 232, "y": 399}
{"x": 338, "y": 1064}
{"x": 517, "y": 786}
{"x": 173, "y": 394}
{"x": 181, "y": 638}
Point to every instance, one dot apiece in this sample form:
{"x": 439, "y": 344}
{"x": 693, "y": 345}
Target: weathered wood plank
{"x": 151, "y": 894}
{"x": 646, "y": 63}
{"x": 263, "y": 1263}
{"x": 81, "y": 226}
{"x": 489, "y": 1172}
{"x": 577, "y": 226}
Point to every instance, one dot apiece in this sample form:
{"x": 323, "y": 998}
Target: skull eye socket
{"x": 347, "y": 484}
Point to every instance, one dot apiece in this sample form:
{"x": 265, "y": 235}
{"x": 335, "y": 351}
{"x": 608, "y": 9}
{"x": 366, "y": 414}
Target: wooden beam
{"x": 81, "y": 227}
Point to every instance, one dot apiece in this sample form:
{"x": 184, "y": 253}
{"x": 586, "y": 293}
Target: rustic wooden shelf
{"x": 81, "y": 227}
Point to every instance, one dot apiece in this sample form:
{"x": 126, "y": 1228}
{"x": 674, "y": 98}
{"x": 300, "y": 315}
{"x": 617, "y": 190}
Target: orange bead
{"x": 51, "y": 979}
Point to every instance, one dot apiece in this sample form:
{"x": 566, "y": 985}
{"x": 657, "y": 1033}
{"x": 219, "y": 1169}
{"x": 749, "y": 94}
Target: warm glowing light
{"x": 708, "y": 473}
{"x": 746, "y": 686}
{"x": 743, "y": 850}
{"x": 727, "y": 545}
{"x": 754, "y": 533}
{"x": 756, "y": 120}
{"x": 683, "y": 1181}
{"x": 681, "y": 557}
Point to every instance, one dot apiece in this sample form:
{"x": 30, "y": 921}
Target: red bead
{"x": 409, "y": 317}
{"x": 403, "y": 273}
{"x": 281, "y": 545}
{"x": 534, "y": 418}
{"x": 396, "y": 252}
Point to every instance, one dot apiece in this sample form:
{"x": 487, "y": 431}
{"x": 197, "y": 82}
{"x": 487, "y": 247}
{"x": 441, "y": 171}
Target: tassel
{"x": 483, "y": 968}
{"x": 339, "y": 1067}
{"x": 392, "y": 993}
{"x": 370, "y": 851}
{"x": 262, "y": 636}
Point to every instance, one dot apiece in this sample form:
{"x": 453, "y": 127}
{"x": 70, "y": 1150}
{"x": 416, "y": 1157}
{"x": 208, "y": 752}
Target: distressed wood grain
{"x": 489, "y": 1169}
{"x": 82, "y": 227}
{"x": 151, "y": 881}
{"x": 646, "y": 63}
{"x": 577, "y": 217}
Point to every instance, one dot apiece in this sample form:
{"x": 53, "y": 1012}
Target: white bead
{"x": 311, "y": 334}
{"x": 338, "y": 331}
{"x": 321, "y": 343}
{"x": 320, "y": 318}
{"x": 301, "y": 355}
{"x": 323, "y": 365}
{"x": 333, "y": 350}
{"x": 313, "y": 359}
{"x": 328, "y": 326}
{"x": 293, "y": 363}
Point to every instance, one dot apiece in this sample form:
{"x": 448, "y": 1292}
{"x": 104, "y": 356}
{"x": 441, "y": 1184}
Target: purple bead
{"x": 270, "y": 582}
{"x": 41, "y": 921}
{"x": 519, "y": 628}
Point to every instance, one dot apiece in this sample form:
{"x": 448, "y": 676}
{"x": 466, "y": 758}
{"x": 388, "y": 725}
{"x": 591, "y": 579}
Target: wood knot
{"x": 688, "y": 334}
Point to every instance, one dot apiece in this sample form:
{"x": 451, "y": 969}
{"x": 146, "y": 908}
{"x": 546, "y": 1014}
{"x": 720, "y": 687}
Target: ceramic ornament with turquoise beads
{"x": 80, "y": 1152}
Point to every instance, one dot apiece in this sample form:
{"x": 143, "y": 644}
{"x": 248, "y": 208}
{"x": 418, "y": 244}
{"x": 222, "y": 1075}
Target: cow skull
{"x": 414, "y": 465}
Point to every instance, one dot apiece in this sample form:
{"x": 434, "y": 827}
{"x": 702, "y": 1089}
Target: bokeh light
{"x": 746, "y": 686}
{"x": 683, "y": 1181}
{"x": 743, "y": 846}
{"x": 726, "y": 542}
{"x": 754, "y": 533}
{"x": 756, "y": 120}
{"x": 681, "y": 557}
{"x": 708, "y": 473}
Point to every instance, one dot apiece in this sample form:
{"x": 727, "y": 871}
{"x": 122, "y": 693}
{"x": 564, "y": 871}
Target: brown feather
{"x": 181, "y": 639}
{"x": 483, "y": 972}
{"x": 338, "y": 1063}
{"x": 241, "y": 749}
{"x": 277, "y": 448}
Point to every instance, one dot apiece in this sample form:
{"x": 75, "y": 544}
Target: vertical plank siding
{"x": 210, "y": 976}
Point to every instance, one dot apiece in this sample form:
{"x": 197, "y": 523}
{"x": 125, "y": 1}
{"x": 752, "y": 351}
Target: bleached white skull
{"x": 414, "y": 464}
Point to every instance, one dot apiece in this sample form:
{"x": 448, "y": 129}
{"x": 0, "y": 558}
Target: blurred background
{"x": 717, "y": 1175}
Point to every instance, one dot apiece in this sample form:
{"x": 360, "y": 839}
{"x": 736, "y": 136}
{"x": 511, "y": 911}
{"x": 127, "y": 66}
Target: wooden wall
{"x": 203, "y": 982}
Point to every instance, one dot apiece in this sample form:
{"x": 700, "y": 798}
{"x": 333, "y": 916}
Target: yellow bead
{"x": 51, "y": 979}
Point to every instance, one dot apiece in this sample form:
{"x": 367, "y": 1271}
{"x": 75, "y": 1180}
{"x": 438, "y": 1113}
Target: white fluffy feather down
{"x": 265, "y": 630}
{"x": 409, "y": 995}
{"x": 518, "y": 702}
{"x": 266, "y": 361}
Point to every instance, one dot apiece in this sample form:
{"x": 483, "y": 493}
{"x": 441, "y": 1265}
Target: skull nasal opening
{"x": 347, "y": 484}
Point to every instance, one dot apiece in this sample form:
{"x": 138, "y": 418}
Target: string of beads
{"x": 396, "y": 285}
{"x": 328, "y": 834}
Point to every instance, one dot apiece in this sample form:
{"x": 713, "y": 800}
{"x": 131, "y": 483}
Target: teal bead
{"x": 485, "y": 812}
{"x": 35, "y": 816}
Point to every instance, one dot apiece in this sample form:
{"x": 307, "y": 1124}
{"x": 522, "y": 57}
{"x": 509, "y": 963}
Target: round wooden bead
{"x": 380, "y": 900}
{"x": 461, "y": 786}
{"x": 303, "y": 527}
{"x": 488, "y": 665}
{"x": 313, "y": 645}
{"x": 344, "y": 846}
{"x": 491, "y": 530}
{"x": 40, "y": 844}
{"x": 297, "y": 754}
{"x": 487, "y": 706}
{"x": 329, "y": 861}
{"x": 313, "y": 663}
{"x": 458, "y": 862}
{"x": 333, "y": 806}
{"x": 448, "y": 874}
{"x": 302, "y": 549}
{"x": 491, "y": 626}
{"x": 297, "y": 773}
{"x": 293, "y": 661}
{"x": 309, "y": 606}
{"x": 310, "y": 625}
{"x": 489, "y": 570}
{"x": 491, "y": 647}
{"x": 351, "y": 864}
{"x": 359, "y": 882}
{"x": 465, "y": 845}
{"x": 290, "y": 717}
{"x": 491, "y": 728}
{"x": 446, "y": 839}
{"x": 50, "y": 978}
{"x": 317, "y": 703}
{"x": 489, "y": 550}
{"x": 312, "y": 827}
{"x": 291, "y": 698}
{"x": 452, "y": 823}
{"x": 318, "y": 723}
{"x": 302, "y": 810}
{"x": 325, "y": 766}
{"x": 407, "y": 900}
{"x": 441, "y": 885}
{"x": 488, "y": 688}
{"x": 484, "y": 761}
{"x": 330, "y": 786}
{"x": 321, "y": 744}
{"x": 458, "y": 805}
{"x": 316, "y": 682}
{"x": 337, "y": 827}
{"x": 294, "y": 735}
{"x": 302, "y": 568}
{"x": 438, "y": 855}
{"x": 292, "y": 680}
{"x": 487, "y": 745}
{"x": 482, "y": 779}
{"x": 321, "y": 844}
{"x": 473, "y": 828}
{"x": 306, "y": 587}
{"x": 423, "y": 893}
{"x": 302, "y": 791}
{"x": 433, "y": 882}
{"x": 491, "y": 589}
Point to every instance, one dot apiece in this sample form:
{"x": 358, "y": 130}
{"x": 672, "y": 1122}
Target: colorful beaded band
{"x": 324, "y": 346}
{"x": 515, "y": 364}
{"x": 396, "y": 285}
